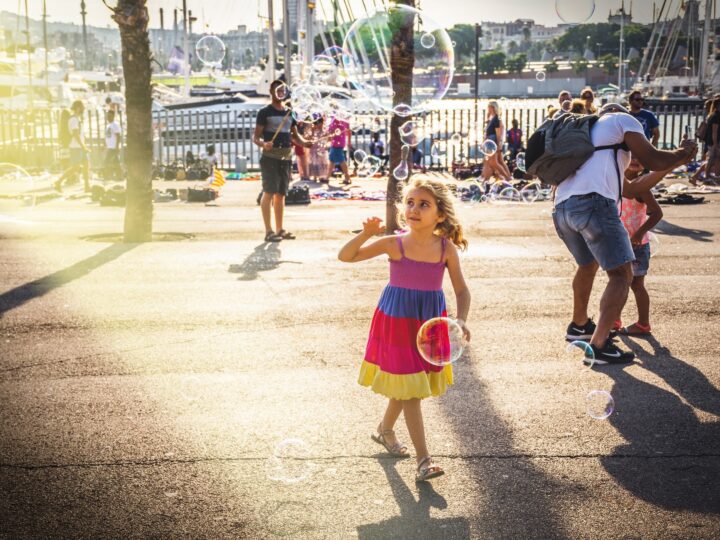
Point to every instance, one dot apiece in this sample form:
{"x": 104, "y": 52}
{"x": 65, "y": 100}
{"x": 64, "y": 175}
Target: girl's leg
{"x": 642, "y": 299}
{"x": 394, "y": 408}
{"x": 416, "y": 428}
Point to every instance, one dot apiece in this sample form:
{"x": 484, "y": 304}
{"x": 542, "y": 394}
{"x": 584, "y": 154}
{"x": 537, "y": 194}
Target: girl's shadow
{"x": 414, "y": 520}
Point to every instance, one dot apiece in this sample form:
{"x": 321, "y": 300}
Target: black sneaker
{"x": 584, "y": 332}
{"x": 609, "y": 354}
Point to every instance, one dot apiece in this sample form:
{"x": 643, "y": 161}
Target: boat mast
{"x": 704, "y": 48}
{"x": 287, "y": 46}
{"x": 271, "y": 40}
{"x": 186, "y": 52}
{"x": 622, "y": 45}
{"x": 45, "y": 44}
{"x": 27, "y": 44}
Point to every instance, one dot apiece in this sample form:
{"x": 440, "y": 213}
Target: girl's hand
{"x": 465, "y": 330}
{"x": 637, "y": 238}
{"x": 373, "y": 226}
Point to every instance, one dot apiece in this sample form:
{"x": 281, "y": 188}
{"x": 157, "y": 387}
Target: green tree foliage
{"x": 491, "y": 62}
{"x": 552, "y": 67}
{"x": 464, "y": 37}
{"x": 580, "y": 65}
{"x": 517, "y": 63}
{"x": 609, "y": 63}
{"x": 602, "y": 36}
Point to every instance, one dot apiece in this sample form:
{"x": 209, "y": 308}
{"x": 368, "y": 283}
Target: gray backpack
{"x": 561, "y": 145}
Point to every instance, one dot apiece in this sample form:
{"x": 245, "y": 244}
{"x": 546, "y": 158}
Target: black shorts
{"x": 276, "y": 174}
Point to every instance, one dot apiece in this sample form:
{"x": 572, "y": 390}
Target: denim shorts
{"x": 641, "y": 264}
{"x": 337, "y": 155}
{"x": 592, "y": 231}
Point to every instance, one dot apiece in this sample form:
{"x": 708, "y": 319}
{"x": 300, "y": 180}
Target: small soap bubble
{"x": 581, "y": 350}
{"x": 489, "y": 147}
{"x": 440, "y": 341}
{"x": 427, "y": 40}
{"x": 540, "y": 76}
{"x": 599, "y": 404}
{"x": 290, "y": 462}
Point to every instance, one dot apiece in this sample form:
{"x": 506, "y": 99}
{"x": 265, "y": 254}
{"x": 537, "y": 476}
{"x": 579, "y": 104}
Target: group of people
{"x": 709, "y": 134}
{"x": 602, "y": 212}
{"x": 74, "y": 152}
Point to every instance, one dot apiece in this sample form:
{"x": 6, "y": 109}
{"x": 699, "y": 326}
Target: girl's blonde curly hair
{"x": 448, "y": 228}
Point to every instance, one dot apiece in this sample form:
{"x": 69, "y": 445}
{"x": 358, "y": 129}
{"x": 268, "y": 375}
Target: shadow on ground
{"x": 414, "y": 520}
{"x": 264, "y": 257}
{"x": 670, "y": 229}
{"x": 35, "y": 289}
{"x": 659, "y": 427}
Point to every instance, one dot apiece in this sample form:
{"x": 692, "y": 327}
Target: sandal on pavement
{"x": 286, "y": 235}
{"x": 426, "y": 470}
{"x": 636, "y": 329}
{"x": 398, "y": 449}
{"x": 272, "y": 237}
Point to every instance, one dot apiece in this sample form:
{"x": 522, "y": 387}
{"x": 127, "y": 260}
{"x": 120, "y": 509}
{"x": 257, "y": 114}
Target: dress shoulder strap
{"x": 400, "y": 245}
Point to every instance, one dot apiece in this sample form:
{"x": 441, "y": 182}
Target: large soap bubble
{"x": 210, "y": 50}
{"x": 575, "y": 11}
{"x": 372, "y": 44}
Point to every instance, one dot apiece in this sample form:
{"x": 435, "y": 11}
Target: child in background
{"x": 639, "y": 216}
{"x": 393, "y": 366}
{"x": 318, "y": 166}
{"x": 340, "y": 133}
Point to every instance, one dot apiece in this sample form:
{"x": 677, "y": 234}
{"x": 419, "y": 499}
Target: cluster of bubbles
{"x": 599, "y": 404}
{"x": 210, "y": 51}
{"x": 440, "y": 341}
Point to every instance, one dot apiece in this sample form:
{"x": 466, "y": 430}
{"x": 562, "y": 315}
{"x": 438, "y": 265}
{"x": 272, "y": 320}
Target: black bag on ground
{"x": 201, "y": 195}
{"x": 298, "y": 195}
{"x": 114, "y": 196}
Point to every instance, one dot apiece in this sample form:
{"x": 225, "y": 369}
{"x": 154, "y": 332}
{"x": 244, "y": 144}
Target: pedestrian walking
{"x": 648, "y": 120}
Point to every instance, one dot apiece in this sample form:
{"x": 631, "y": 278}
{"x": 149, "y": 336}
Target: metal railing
{"x": 30, "y": 138}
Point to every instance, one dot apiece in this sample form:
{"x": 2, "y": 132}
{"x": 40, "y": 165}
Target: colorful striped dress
{"x": 392, "y": 366}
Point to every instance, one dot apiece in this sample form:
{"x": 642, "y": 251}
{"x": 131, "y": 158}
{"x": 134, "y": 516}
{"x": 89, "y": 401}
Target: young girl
{"x": 392, "y": 366}
{"x": 319, "y": 164}
{"x": 639, "y": 216}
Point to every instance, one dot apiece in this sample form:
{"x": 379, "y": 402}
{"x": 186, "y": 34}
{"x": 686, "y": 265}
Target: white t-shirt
{"x": 598, "y": 174}
{"x": 75, "y": 125}
{"x": 112, "y": 135}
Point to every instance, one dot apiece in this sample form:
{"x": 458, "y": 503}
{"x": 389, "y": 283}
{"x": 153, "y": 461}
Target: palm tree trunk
{"x": 402, "y": 62}
{"x": 132, "y": 18}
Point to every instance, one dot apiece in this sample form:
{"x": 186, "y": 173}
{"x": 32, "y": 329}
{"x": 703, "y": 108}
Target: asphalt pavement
{"x": 145, "y": 389}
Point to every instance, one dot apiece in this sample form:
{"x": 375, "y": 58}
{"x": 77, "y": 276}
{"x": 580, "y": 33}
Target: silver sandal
{"x": 397, "y": 450}
{"x": 426, "y": 470}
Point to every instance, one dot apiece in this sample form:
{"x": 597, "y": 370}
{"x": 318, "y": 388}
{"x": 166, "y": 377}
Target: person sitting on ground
{"x": 639, "y": 216}
{"x": 587, "y": 221}
{"x": 514, "y": 139}
{"x": 377, "y": 149}
{"x": 211, "y": 157}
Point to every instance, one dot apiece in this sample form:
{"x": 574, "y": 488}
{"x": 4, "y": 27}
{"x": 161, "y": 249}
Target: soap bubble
{"x": 210, "y": 50}
{"x": 369, "y": 43}
{"x": 369, "y": 166}
{"x": 456, "y": 138}
{"x": 324, "y": 69}
{"x": 531, "y": 192}
{"x": 290, "y": 462}
{"x": 440, "y": 341}
{"x": 581, "y": 350}
{"x": 599, "y": 404}
{"x": 359, "y": 156}
{"x": 488, "y": 148}
{"x": 520, "y": 161}
{"x": 540, "y": 76}
{"x": 654, "y": 244}
{"x": 403, "y": 110}
{"x": 281, "y": 92}
{"x": 574, "y": 11}
{"x": 427, "y": 40}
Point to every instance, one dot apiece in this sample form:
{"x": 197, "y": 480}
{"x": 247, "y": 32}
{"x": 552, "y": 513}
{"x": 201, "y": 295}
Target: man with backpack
{"x": 585, "y": 157}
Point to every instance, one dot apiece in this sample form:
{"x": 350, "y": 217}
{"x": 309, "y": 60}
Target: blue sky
{"x": 221, "y": 15}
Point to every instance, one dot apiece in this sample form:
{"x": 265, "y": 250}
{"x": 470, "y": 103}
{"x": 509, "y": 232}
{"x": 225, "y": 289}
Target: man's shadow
{"x": 35, "y": 289}
{"x": 670, "y": 458}
{"x": 670, "y": 229}
{"x": 264, "y": 257}
{"x": 414, "y": 520}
